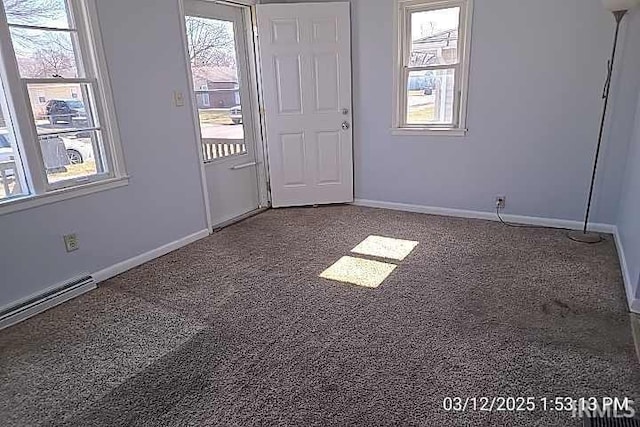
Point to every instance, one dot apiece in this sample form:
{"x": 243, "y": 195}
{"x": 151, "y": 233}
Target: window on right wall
{"x": 432, "y": 66}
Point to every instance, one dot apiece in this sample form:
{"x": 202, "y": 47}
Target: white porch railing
{"x": 213, "y": 149}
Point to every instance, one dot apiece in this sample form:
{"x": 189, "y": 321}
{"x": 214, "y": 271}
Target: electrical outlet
{"x": 71, "y": 242}
{"x": 501, "y": 202}
{"x": 178, "y": 98}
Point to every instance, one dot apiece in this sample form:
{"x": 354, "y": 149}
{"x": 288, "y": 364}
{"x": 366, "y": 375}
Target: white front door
{"x": 220, "y": 69}
{"x": 305, "y": 52}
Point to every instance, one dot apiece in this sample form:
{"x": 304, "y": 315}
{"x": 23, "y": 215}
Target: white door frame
{"x": 248, "y": 12}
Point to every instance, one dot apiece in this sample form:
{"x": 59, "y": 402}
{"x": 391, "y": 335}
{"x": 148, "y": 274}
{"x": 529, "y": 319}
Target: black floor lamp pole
{"x": 585, "y": 236}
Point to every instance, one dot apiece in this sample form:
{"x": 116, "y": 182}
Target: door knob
{"x": 345, "y": 125}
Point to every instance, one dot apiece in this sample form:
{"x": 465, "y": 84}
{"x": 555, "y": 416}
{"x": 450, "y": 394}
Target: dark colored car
{"x": 64, "y": 110}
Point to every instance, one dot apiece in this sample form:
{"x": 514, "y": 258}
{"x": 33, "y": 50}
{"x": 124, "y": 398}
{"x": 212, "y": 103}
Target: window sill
{"x": 428, "y": 132}
{"x": 29, "y": 202}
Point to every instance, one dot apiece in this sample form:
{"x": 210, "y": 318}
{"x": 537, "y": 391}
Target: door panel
{"x": 285, "y": 32}
{"x": 327, "y": 82}
{"x": 293, "y": 160}
{"x": 329, "y": 158}
{"x": 306, "y": 67}
{"x": 216, "y": 37}
{"x": 289, "y": 84}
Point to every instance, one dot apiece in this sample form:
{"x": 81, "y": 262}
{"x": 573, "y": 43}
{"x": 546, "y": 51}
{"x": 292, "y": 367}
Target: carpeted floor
{"x": 239, "y": 330}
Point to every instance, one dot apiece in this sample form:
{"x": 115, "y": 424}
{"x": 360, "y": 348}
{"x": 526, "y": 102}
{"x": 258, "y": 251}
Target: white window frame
{"x": 84, "y": 20}
{"x": 402, "y": 54}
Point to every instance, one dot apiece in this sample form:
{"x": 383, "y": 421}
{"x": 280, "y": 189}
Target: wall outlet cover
{"x": 71, "y": 242}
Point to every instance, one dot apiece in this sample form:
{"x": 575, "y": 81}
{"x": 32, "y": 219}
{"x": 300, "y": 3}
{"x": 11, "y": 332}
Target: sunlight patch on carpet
{"x": 385, "y": 247}
{"x": 361, "y": 272}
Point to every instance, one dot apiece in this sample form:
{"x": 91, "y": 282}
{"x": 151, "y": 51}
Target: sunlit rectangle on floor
{"x": 385, "y": 247}
{"x": 361, "y": 272}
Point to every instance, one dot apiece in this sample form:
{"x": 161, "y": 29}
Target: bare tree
{"x": 45, "y": 55}
{"x": 33, "y": 11}
{"x": 210, "y": 42}
{"x": 40, "y": 53}
{"x": 53, "y": 63}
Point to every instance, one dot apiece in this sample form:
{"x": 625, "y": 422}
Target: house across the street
{"x": 216, "y": 87}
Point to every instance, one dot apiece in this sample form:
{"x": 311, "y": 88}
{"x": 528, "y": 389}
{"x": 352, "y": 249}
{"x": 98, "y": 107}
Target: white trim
{"x": 428, "y": 132}
{"x": 401, "y": 8}
{"x": 91, "y": 60}
{"x": 100, "y": 276}
{"x": 32, "y": 201}
{"x": 104, "y": 101}
{"x": 43, "y": 28}
{"x": 490, "y": 216}
{"x": 237, "y": 2}
{"x": 254, "y": 71}
{"x": 42, "y": 303}
{"x": 195, "y": 115}
{"x": 634, "y": 304}
{"x": 130, "y": 263}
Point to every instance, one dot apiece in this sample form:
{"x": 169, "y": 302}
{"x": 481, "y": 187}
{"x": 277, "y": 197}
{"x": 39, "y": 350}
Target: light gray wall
{"x": 629, "y": 220}
{"x": 537, "y": 71}
{"x": 163, "y": 202}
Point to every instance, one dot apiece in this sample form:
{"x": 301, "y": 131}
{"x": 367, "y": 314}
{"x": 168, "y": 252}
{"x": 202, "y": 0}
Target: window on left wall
{"x": 58, "y": 133}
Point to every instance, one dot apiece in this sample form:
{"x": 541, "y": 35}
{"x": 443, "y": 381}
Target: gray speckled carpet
{"x": 239, "y": 330}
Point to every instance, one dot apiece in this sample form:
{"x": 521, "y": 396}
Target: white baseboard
{"x": 136, "y": 261}
{"x": 44, "y": 300}
{"x": 490, "y": 216}
{"x": 634, "y": 304}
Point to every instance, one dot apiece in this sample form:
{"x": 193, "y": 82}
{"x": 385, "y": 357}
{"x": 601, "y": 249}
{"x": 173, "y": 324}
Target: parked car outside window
{"x": 64, "y": 110}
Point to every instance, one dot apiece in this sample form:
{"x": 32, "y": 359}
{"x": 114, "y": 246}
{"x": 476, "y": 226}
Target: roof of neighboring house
{"x": 215, "y": 74}
{"x": 447, "y": 35}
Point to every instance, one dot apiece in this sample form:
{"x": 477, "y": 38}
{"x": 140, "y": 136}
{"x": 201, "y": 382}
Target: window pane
{"x": 44, "y": 54}
{"x": 61, "y": 107}
{"x": 40, "y": 13}
{"x": 73, "y": 156}
{"x": 430, "y": 97}
{"x": 216, "y": 85}
{"x": 12, "y": 183}
{"x": 434, "y": 37}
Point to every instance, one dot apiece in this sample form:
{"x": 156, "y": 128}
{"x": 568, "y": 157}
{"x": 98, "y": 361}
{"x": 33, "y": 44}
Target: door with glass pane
{"x": 217, "y": 48}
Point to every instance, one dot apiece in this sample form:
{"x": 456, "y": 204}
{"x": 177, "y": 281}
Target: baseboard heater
{"x": 46, "y": 300}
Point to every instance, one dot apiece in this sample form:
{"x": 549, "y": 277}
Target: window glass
{"x": 37, "y": 13}
{"x": 12, "y": 183}
{"x": 73, "y": 156}
{"x": 434, "y": 37}
{"x": 62, "y": 112}
{"x": 44, "y": 53}
{"x": 431, "y": 97}
{"x": 433, "y": 65}
{"x": 61, "y": 95}
{"x": 212, "y": 51}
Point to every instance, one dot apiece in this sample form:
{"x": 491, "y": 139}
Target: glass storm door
{"x": 218, "y": 53}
